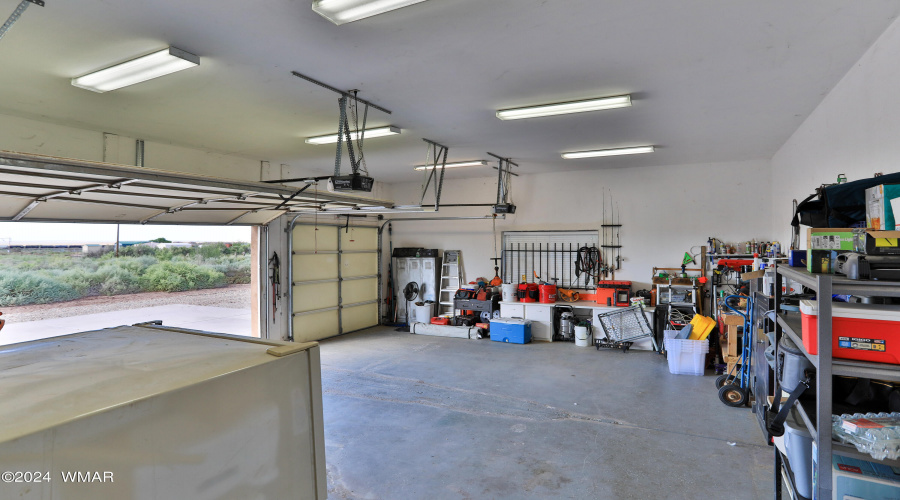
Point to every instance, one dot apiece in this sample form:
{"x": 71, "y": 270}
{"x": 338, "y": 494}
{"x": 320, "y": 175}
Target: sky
{"x": 20, "y": 233}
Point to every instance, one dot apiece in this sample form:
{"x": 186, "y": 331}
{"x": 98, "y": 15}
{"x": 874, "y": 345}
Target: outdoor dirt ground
{"x": 232, "y": 296}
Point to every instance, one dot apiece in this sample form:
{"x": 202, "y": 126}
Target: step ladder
{"x": 451, "y": 279}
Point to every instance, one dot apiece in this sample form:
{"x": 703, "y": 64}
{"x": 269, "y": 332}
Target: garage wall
{"x": 665, "y": 211}
{"x": 27, "y": 135}
{"x": 854, "y": 131}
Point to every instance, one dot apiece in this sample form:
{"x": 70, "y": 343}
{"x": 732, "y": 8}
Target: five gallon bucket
{"x": 582, "y": 336}
{"x": 424, "y": 312}
{"x": 509, "y": 292}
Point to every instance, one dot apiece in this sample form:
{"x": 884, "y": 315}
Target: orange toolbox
{"x": 866, "y": 332}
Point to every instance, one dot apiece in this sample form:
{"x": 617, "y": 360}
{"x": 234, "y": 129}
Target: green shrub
{"x": 180, "y": 276}
{"x": 24, "y": 287}
{"x": 120, "y": 282}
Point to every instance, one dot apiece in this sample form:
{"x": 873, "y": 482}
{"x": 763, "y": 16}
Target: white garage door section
{"x": 335, "y": 280}
{"x": 45, "y": 188}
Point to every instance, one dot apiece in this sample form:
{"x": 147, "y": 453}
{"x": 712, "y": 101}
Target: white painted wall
{"x": 26, "y": 135}
{"x": 666, "y": 210}
{"x": 854, "y": 131}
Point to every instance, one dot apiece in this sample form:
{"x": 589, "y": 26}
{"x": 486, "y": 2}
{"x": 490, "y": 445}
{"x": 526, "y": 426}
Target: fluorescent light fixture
{"x": 565, "y": 108}
{"x": 160, "y": 63}
{"x": 346, "y": 11}
{"x": 608, "y": 152}
{"x": 354, "y": 135}
{"x": 476, "y": 163}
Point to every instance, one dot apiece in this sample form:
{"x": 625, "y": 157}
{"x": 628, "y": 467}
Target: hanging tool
{"x": 497, "y": 280}
{"x": 275, "y": 278}
{"x": 389, "y": 302}
{"x": 618, "y": 239}
{"x": 687, "y": 260}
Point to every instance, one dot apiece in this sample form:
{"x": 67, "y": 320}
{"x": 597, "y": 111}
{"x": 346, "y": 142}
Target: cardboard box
{"x": 880, "y": 203}
{"x": 834, "y": 238}
{"x": 882, "y": 242}
{"x": 821, "y": 261}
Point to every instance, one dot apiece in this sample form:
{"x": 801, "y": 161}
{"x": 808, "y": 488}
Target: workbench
{"x": 541, "y": 316}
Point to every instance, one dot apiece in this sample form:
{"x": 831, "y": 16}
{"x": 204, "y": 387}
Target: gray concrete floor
{"x": 211, "y": 319}
{"x": 418, "y": 417}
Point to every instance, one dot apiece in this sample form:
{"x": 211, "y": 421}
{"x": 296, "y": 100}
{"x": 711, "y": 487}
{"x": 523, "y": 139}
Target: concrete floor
{"x": 413, "y": 417}
{"x": 212, "y": 319}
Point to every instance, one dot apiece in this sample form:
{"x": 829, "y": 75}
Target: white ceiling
{"x": 712, "y": 81}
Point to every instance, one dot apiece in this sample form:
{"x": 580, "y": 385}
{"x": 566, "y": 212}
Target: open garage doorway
{"x": 63, "y": 278}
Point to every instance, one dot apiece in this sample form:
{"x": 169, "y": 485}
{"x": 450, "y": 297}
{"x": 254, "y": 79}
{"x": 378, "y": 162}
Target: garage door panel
{"x": 359, "y": 264}
{"x": 359, "y": 290}
{"x": 359, "y": 317}
{"x": 315, "y": 267}
{"x": 315, "y": 326}
{"x": 315, "y": 296}
{"x": 359, "y": 239}
{"x": 312, "y": 238}
{"x": 356, "y": 252}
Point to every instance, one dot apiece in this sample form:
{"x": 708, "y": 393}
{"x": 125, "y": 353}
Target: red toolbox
{"x": 440, "y": 320}
{"x": 866, "y": 332}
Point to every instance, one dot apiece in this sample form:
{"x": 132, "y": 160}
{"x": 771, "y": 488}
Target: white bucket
{"x": 582, "y": 336}
{"x": 424, "y": 313}
{"x": 509, "y": 292}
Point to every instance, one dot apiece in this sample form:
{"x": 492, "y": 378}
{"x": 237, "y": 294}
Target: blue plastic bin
{"x": 511, "y": 330}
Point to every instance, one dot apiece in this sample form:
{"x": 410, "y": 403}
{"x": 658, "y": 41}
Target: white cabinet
{"x": 541, "y": 316}
{"x": 514, "y": 310}
{"x": 541, "y": 322}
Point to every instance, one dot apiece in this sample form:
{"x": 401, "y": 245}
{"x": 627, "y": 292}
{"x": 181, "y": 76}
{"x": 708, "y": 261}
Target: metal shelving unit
{"x": 789, "y": 324}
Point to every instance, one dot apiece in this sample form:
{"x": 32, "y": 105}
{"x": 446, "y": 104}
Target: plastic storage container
{"x": 792, "y": 367}
{"x": 860, "y": 479}
{"x": 866, "y": 332}
{"x": 509, "y": 292}
{"x": 703, "y": 325}
{"x": 583, "y": 336}
{"x": 796, "y": 445}
{"x": 511, "y": 330}
{"x": 686, "y": 357}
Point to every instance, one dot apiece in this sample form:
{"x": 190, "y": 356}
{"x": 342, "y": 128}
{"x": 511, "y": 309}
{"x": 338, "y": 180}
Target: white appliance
{"x": 164, "y": 413}
{"x": 425, "y": 272}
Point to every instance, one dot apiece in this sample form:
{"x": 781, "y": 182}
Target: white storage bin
{"x": 686, "y": 357}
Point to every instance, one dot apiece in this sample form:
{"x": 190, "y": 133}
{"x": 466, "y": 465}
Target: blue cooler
{"x": 512, "y": 330}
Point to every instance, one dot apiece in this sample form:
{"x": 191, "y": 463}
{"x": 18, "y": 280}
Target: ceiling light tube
{"x": 608, "y": 152}
{"x": 476, "y": 163}
{"x": 346, "y": 11}
{"x": 370, "y": 133}
{"x": 141, "y": 69}
{"x": 565, "y": 108}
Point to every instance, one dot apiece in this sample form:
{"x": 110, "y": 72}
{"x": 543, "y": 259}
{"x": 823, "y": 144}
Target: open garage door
{"x": 44, "y": 188}
{"x": 335, "y": 280}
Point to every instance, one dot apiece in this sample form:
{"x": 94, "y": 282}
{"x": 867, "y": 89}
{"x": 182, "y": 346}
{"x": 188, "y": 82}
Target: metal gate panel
{"x": 311, "y": 297}
{"x": 359, "y": 317}
{"x": 355, "y": 291}
{"x": 354, "y": 265}
{"x": 315, "y": 238}
{"x": 315, "y": 267}
{"x": 335, "y": 280}
{"x": 316, "y": 326}
{"x": 359, "y": 238}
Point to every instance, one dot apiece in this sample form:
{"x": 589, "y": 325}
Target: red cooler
{"x": 866, "y": 332}
{"x": 548, "y": 293}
